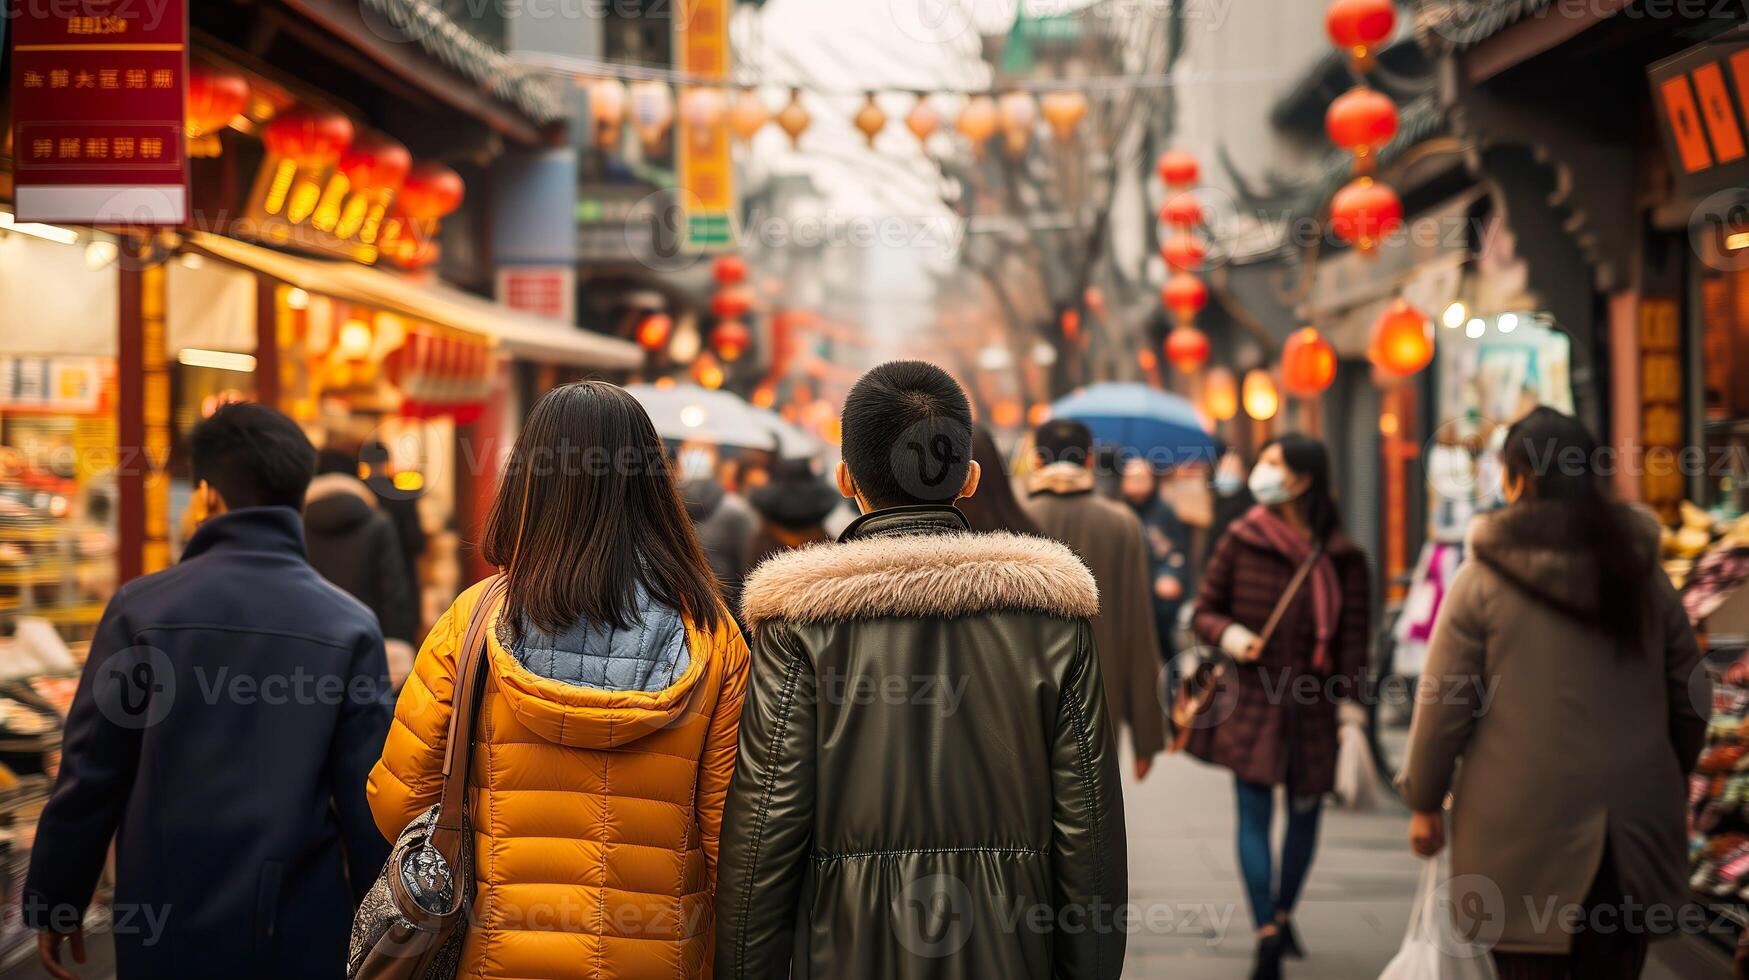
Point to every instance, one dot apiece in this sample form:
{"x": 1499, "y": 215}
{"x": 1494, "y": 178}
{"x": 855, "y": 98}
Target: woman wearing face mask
{"x": 1288, "y": 597}
{"x": 1568, "y": 684}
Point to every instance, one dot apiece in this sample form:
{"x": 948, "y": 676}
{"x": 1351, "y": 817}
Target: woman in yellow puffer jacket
{"x": 606, "y": 733}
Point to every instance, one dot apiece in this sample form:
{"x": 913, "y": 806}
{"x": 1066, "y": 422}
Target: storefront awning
{"x": 522, "y": 335}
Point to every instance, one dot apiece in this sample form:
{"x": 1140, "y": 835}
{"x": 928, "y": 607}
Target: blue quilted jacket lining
{"x": 648, "y": 657}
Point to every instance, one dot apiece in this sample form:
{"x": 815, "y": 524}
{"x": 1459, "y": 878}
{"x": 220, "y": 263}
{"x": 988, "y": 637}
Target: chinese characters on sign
{"x": 98, "y": 111}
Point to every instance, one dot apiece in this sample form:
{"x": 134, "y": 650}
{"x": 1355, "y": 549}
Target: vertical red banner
{"x": 98, "y": 100}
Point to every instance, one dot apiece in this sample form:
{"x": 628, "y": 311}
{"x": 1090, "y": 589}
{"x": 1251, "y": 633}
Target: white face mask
{"x": 1269, "y": 485}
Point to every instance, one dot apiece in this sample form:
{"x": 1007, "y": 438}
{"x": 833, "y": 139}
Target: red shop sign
{"x": 98, "y": 89}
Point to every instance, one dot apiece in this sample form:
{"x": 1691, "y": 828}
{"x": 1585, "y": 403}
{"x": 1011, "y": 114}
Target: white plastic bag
{"x": 1433, "y": 949}
{"x": 1357, "y": 780}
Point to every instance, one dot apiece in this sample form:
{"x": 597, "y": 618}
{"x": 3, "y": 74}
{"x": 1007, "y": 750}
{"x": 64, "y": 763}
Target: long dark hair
{"x": 587, "y": 512}
{"x": 1308, "y": 457}
{"x": 994, "y": 507}
{"x": 1555, "y": 455}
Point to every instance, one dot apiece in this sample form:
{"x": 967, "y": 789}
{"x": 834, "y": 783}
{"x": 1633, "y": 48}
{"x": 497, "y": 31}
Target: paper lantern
{"x": 748, "y": 115}
{"x": 1071, "y": 321}
{"x": 1187, "y": 348}
{"x": 1063, "y": 109}
{"x": 708, "y": 372}
{"x": 607, "y": 109}
{"x": 870, "y": 119}
{"x": 730, "y": 339}
{"x": 1308, "y": 363}
{"x": 923, "y": 120}
{"x": 1184, "y": 294}
{"x": 729, "y": 270}
{"x": 430, "y": 191}
{"x": 1220, "y": 394}
{"x": 310, "y": 137}
{"x": 652, "y": 111}
{"x": 655, "y": 329}
{"x": 978, "y": 121}
{"x": 1146, "y": 360}
{"x": 793, "y": 119}
{"x": 1182, "y": 210}
{"x": 215, "y": 97}
{"x": 1402, "y": 340}
{"x": 1361, "y": 121}
{"x": 1018, "y": 112}
{"x": 1259, "y": 396}
{"x": 1183, "y": 252}
{"x": 703, "y": 109}
{"x": 1178, "y": 169}
{"x": 376, "y": 162}
{"x": 1364, "y": 212}
{"x": 732, "y": 302}
{"x": 1360, "y": 26}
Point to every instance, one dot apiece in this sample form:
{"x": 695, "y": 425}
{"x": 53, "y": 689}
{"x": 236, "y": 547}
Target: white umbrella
{"x": 690, "y": 413}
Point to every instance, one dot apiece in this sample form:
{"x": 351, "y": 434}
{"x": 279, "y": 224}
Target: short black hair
{"x": 908, "y": 435}
{"x": 1063, "y": 441}
{"x": 253, "y": 456}
{"x": 332, "y": 460}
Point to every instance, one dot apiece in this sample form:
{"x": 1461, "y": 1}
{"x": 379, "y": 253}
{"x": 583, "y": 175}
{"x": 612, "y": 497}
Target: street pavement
{"x": 1184, "y": 877}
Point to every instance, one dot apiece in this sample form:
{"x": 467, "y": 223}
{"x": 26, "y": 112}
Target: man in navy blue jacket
{"x": 229, "y": 712}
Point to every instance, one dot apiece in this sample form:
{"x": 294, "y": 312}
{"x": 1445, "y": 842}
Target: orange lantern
{"x": 747, "y": 115}
{"x": 311, "y": 137}
{"x": 1360, "y": 26}
{"x": 1220, "y": 394}
{"x": 654, "y": 331}
{"x": 1183, "y": 252}
{"x": 923, "y": 120}
{"x": 1364, "y": 212}
{"x": 215, "y": 97}
{"x": 607, "y": 109}
{"x": 1308, "y": 363}
{"x": 1187, "y": 348}
{"x": 1184, "y": 294}
{"x": 1259, "y": 396}
{"x": 732, "y": 303}
{"x": 708, "y": 372}
{"x": 793, "y": 119}
{"x": 731, "y": 339}
{"x": 430, "y": 191}
{"x": 1402, "y": 340}
{"x": 870, "y": 119}
{"x": 1071, "y": 325}
{"x": 1018, "y": 111}
{"x": 1146, "y": 360}
{"x": 1063, "y": 109}
{"x": 1182, "y": 210}
{"x": 978, "y": 120}
{"x": 376, "y": 162}
{"x": 729, "y": 270}
{"x": 1361, "y": 121}
{"x": 1178, "y": 169}
{"x": 1007, "y": 413}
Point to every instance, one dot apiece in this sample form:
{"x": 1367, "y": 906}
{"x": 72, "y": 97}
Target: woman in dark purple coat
{"x": 1274, "y": 719}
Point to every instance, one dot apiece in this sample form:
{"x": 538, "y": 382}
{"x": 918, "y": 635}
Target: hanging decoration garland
{"x": 794, "y": 118}
{"x": 978, "y": 121}
{"x": 923, "y": 120}
{"x": 1185, "y": 294}
{"x": 870, "y": 119}
{"x": 1362, "y": 121}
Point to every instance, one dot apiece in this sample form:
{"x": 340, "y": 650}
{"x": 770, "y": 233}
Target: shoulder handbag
{"x": 1196, "y": 693}
{"x": 414, "y": 919}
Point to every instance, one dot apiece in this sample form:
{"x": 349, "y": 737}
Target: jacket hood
{"x": 336, "y": 502}
{"x": 1063, "y": 479}
{"x": 1543, "y": 547}
{"x": 920, "y": 575}
{"x": 702, "y": 498}
{"x": 601, "y": 688}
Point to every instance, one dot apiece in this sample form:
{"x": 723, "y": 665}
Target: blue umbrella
{"x": 1140, "y": 420}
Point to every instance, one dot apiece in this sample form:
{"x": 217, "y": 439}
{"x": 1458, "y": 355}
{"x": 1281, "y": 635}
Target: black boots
{"x": 1270, "y": 949}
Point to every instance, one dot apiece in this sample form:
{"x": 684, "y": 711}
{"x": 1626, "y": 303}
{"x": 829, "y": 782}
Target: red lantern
{"x": 1178, "y": 168}
{"x": 731, "y": 339}
{"x": 1182, "y": 210}
{"x": 1402, "y": 340}
{"x": 1071, "y": 325}
{"x": 730, "y": 270}
{"x": 1308, "y": 363}
{"x": 375, "y": 162}
{"x": 1183, "y": 252}
{"x": 732, "y": 303}
{"x": 1187, "y": 348}
{"x": 1361, "y": 120}
{"x": 1364, "y": 212}
{"x": 215, "y": 97}
{"x": 1358, "y": 26}
{"x": 654, "y": 331}
{"x": 1184, "y": 294}
{"x": 311, "y": 137}
{"x": 430, "y": 191}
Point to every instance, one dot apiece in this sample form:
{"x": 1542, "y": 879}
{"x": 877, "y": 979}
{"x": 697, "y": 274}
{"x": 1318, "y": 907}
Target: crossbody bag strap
{"x": 1293, "y": 589}
{"x": 464, "y": 716}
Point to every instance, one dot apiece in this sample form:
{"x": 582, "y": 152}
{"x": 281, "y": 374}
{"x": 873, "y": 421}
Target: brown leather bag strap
{"x": 464, "y": 716}
{"x": 1293, "y": 589}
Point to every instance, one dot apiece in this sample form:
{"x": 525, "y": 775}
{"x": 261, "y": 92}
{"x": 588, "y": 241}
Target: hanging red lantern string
{"x": 1402, "y": 340}
{"x": 654, "y": 330}
{"x": 1182, "y": 210}
{"x": 1364, "y": 212}
{"x": 729, "y": 270}
{"x": 1187, "y": 348}
{"x": 308, "y": 137}
{"x": 1308, "y": 363}
{"x": 430, "y": 191}
{"x": 1359, "y": 27}
{"x": 731, "y": 339}
{"x": 1184, "y": 295}
{"x": 732, "y": 302}
{"x": 215, "y": 97}
{"x": 1183, "y": 252}
{"x": 1178, "y": 169}
{"x": 375, "y": 162}
{"x": 1361, "y": 121}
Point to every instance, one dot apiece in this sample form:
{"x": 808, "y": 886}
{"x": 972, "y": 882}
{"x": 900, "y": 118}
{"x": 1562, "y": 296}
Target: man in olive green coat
{"x": 1109, "y": 538}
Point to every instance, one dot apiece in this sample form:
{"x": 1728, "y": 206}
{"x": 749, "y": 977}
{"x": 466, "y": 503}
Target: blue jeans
{"x": 1256, "y": 813}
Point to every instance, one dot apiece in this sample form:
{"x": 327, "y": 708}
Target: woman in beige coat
{"x": 1565, "y": 678}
